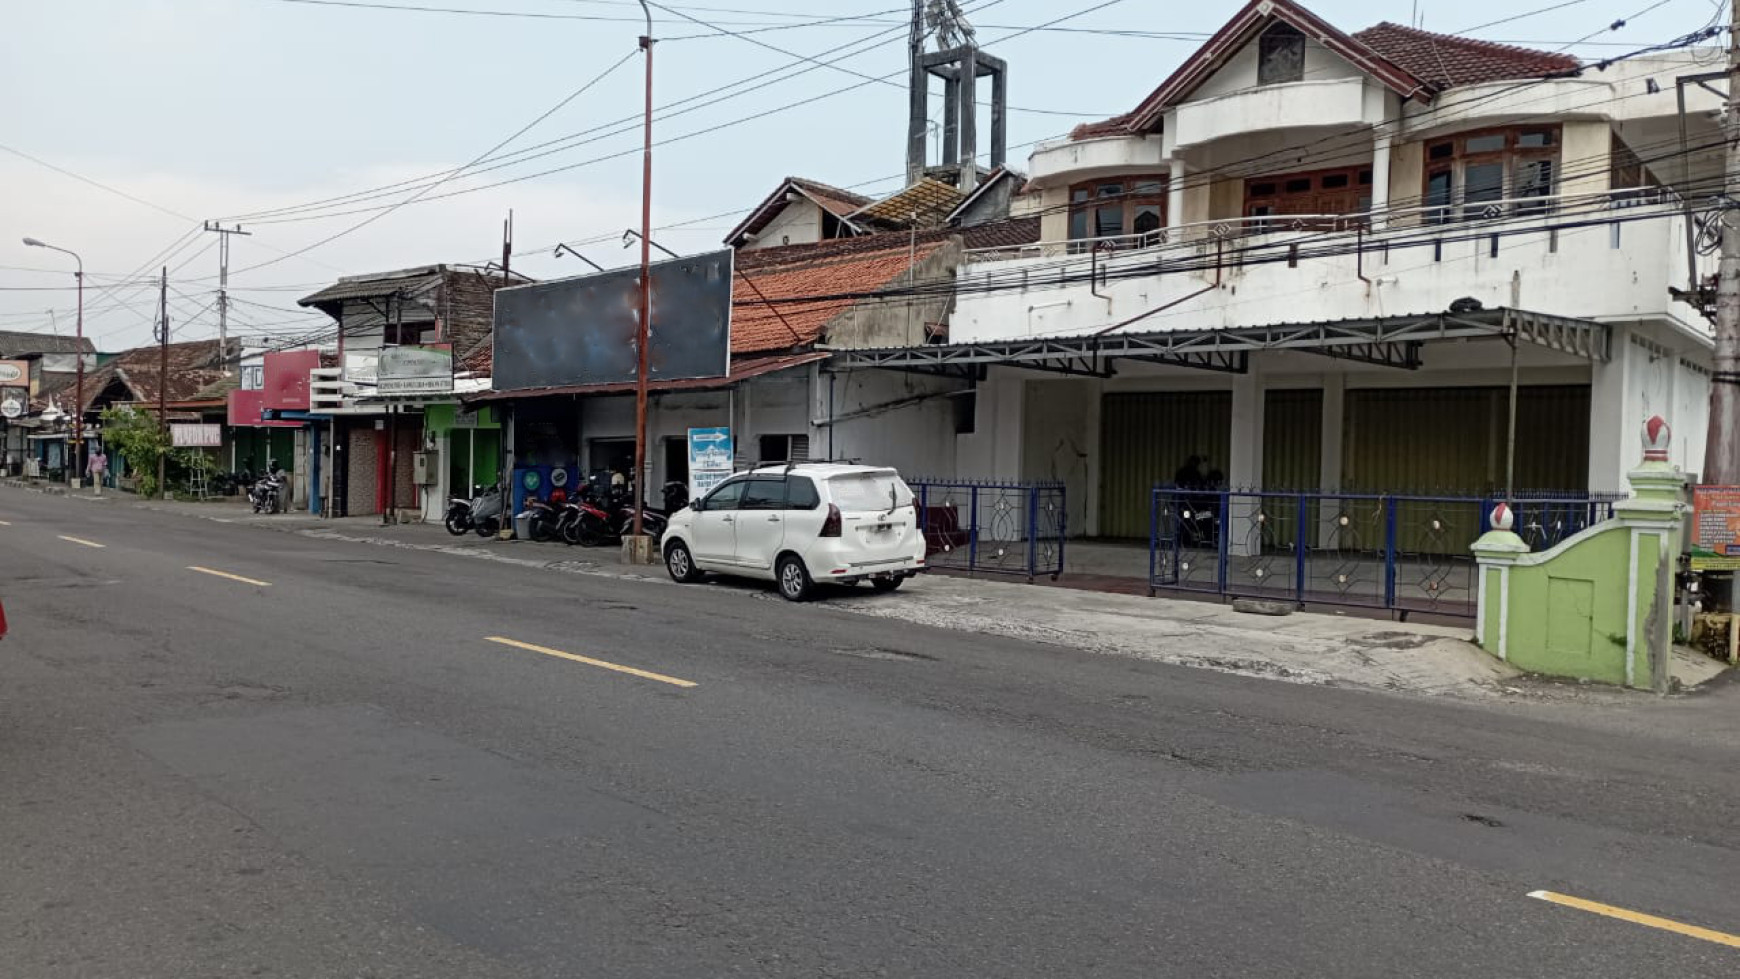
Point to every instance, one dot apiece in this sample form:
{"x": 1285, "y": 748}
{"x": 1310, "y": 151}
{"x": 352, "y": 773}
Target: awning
{"x": 741, "y": 370}
{"x": 1387, "y": 342}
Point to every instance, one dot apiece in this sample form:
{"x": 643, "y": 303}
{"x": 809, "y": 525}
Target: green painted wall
{"x": 1567, "y": 614}
{"x": 439, "y": 418}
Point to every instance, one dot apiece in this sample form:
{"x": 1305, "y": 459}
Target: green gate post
{"x": 1599, "y": 605}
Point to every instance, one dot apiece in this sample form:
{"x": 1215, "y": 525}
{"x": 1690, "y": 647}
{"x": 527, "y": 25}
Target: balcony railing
{"x": 1270, "y": 228}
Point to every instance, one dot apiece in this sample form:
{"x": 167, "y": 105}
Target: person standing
{"x": 98, "y": 466}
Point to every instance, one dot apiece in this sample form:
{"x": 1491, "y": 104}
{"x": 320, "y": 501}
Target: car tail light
{"x": 832, "y": 526}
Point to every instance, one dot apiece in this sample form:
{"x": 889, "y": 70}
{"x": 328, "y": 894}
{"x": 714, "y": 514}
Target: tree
{"x": 140, "y": 440}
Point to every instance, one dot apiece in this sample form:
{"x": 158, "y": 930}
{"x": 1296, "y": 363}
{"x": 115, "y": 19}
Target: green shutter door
{"x": 1144, "y": 439}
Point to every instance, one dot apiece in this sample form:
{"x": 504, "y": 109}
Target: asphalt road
{"x": 343, "y": 773}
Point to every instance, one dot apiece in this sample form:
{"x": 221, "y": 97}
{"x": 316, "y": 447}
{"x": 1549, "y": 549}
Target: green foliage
{"x": 139, "y": 440}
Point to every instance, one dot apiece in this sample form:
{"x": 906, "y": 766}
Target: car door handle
{"x": 773, "y": 519}
{"x": 729, "y": 520}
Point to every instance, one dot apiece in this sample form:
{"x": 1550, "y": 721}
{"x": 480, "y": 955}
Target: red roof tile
{"x": 1445, "y": 61}
{"x": 756, "y": 327}
{"x": 1115, "y": 126}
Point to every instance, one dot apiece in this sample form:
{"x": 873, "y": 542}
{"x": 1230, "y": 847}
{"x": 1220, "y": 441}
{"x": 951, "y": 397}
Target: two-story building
{"x": 1318, "y": 260}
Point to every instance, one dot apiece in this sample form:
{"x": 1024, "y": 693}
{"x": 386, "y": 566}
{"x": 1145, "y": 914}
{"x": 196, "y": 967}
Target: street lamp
{"x": 79, "y": 353}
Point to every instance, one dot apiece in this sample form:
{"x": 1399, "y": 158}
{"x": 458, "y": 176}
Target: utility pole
{"x": 223, "y": 303}
{"x": 638, "y": 549}
{"x": 1722, "y": 445}
{"x": 163, "y": 384}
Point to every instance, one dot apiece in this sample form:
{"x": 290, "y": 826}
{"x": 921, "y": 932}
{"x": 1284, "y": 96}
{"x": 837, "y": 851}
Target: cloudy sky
{"x": 317, "y": 123}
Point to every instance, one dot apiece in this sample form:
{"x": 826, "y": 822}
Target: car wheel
{"x": 681, "y": 564}
{"x": 795, "y": 584}
{"x": 885, "y": 584}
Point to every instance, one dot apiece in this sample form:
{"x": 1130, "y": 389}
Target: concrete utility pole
{"x": 223, "y": 303}
{"x": 163, "y": 384}
{"x": 1722, "y": 447}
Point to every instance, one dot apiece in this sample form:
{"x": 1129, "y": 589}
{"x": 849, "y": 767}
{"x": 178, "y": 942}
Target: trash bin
{"x": 523, "y": 525}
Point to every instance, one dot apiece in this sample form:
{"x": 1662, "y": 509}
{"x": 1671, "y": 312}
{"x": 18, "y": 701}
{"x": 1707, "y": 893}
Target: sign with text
{"x": 710, "y": 459}
{"x": 360, "y": 366}
{"x": 14, "y": 402}
{"x": 1715, "y": 537}
{"x": 195, "y": 435}
{"x": 412, "y": 369}
{"x": 14, "y": 372}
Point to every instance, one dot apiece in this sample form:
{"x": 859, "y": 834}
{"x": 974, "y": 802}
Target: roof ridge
{"x": 818, "y": 186}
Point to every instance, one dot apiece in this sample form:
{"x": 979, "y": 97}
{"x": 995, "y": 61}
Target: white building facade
{"x": 1321, "y": 261}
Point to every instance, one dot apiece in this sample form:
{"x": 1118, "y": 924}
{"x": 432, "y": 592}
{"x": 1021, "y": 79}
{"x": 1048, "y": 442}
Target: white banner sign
{"x": 194, "y": 435}
{"x": 412, "y": 369}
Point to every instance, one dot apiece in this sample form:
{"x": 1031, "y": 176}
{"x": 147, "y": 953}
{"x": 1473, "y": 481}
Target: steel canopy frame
{"x": 1384, "y": 342}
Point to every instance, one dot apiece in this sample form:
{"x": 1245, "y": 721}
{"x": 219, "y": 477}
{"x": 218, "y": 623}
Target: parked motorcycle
{"x": 608, "y": 516}
{"x": 583, "y": 522}
{"x": 481, "y": 513}
{"x": 543, "y": 520}
{"x": 267, "y": 492}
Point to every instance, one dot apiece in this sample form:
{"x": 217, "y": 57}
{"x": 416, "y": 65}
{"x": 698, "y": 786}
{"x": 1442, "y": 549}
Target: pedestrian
{"x": 97, "y": 465}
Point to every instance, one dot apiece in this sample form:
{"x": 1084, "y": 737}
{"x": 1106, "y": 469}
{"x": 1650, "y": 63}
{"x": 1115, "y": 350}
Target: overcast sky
{"x": 209, "y": 109}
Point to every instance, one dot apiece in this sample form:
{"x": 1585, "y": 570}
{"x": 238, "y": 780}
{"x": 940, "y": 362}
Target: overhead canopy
{"x": 1387, "y": 342}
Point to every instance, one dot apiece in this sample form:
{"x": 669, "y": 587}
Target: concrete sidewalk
{"x": 1435, "y": 660}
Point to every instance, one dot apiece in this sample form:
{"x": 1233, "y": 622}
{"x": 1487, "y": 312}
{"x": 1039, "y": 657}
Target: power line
{"x": 450, "y": 174}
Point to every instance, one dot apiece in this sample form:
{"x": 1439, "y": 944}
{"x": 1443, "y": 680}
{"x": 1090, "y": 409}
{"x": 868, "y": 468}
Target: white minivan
{"x": 799, "y": 525}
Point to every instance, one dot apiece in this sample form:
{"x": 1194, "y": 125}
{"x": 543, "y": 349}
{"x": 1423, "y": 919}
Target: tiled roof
{"x": 375, "y": 286}
{"x": 755, "y": 327}
{"x": 926, "y": 202}
{"x": 1115, "y": 126}
{"x": 1445, "y": 61}
{"x": 17, "y": 343}
{"x": 192, "y": 367}
{"x": 1015, "y": 231}
{"x": 840, "y": 202}
{"x": 835, "y": 201}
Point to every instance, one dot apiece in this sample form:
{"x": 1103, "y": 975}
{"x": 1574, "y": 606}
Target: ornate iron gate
{"x": 1013, "y": 528}
{"x": 1401, "y": 553}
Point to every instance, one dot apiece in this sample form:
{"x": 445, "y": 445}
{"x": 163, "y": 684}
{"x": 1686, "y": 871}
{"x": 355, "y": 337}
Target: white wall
{"x": 1240, "y": 71}
{"x": 1651, "y": 373}
{"x": 887, "y": 418}
{"x": 1602, "y": 271}
{"x": 801, "y": 222}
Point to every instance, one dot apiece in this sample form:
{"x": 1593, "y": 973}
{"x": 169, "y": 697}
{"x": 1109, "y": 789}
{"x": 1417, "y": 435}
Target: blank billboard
{"x": 582, "y": 330}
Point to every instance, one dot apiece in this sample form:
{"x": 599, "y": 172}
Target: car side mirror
{"x": 697, "y": 505}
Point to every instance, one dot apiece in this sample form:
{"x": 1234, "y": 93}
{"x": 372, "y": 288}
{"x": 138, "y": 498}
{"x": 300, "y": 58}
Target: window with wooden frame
{"x": 1114, "y": 207}
{"x": 1491, "y": 173}
{"x": 1313, "y": 195}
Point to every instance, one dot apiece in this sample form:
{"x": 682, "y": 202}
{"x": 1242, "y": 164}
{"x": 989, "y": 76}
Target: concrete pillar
{"x": 1175, "y": 195}
{"x": 1244, "y": 468}
{"x": 1380, "y": 179}
{"x": 1334, "y": 422}
{"x": 1612, "y": 429}
{"x": 1095, "y": 462}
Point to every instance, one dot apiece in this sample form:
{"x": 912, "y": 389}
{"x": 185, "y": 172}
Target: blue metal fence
{"x": 1011, "y": 528}
{"x": 1398, "y": 552}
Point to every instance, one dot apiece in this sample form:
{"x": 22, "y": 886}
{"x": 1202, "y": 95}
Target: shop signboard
{"x": 1715, "y": 537}
{"x": 710, "y": 459}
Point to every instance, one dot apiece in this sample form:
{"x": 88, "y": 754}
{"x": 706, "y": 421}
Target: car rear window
{"x": 869, "y": 491}
{"x": 800, "y": 493}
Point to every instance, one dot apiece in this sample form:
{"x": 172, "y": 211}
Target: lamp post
{"x": 79, "y": 353}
